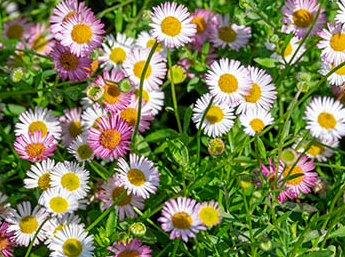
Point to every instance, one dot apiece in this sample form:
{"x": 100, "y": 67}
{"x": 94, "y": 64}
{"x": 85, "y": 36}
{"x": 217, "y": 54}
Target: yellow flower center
{"x": 38, "y": 126}
{"x": 129, "y": 253}
{"x": 340, "y": 71}
{"x": 302, "y": 18}
{"x": 117, "y": 191}
{"x": 111, "y": 93}
{"x": 75, "y": 129}
{"x": 337, "y": 42}
{"x": 3, "y": 242}
{"x": 151, "y": 42}
{"x": 39, "y": 43}
{"x": 227, "y": 34}
{"x": 327, "y": 120}
{"x": 254, "y": 94}
{"x": 130, "y": 115}
{"x": 81, "y": 33}
{"x": 257, "y": 125}
{"x": 214, "y": 115}
{"x": 15, "y": 31}
{"x": 182, "y": 220}
{"x": 72, "y": 247}
{"x": 70, "y": 181}
{"x": 118, "y": 55}
{"x": 209, "y": 216}
{"x": 61, "y": 226}
{"x": 69, "y": 61}
{"x": 315, "y": 149}
{"x": 84, "y": 152}
{"x": 35, "y": 150}
{"x": 110, "y": 138}
{"x": 288, "y": 50}
{"x": 145, "y": 95}
{"x": 171, "y": 26}
{"x": 58, "y": 204}
{"x": 136, "y": 177}
{"x": 43, "y": 181}
{"x": 200, "y": 24}
{"x": 28, "y": 224}
{"x": 139, "y": 67}
{"x": 228, "y": 83}
{"x": 296, "y": 170}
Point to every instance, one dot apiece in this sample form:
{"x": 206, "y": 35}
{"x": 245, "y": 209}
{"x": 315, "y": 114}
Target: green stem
{"x": 100, "y": 217}
{"x": 173, "y": 93}
{"x": 176, "y": 245}
{"x": 329, "y": 165}
{"x": 197, "y": 246}
{"x": 147, "y": 63}
{"x": 97, "y": 171}
{"x": 249, "y": 220}
{"x": 34, "y": 238}
{"x": 112, "y": 8}
{"x": 164, "y": 249}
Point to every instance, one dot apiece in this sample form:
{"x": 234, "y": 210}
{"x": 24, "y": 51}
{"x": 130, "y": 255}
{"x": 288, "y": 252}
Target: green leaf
{"x": 203, "y": 181}
{"x": 299, "y": 207}
{"x": 340, "y": 232}
{"x": 186, "y": 119}
{"x": 325, "y": 253}
{"x": 261, "y": 148}
{"x": 179, "y": 152}
{"x": 118, "y": 20}
{"x": 161, "y": 135}
{"x": 111, "y": 224}
{"x": 266, "y": 62}
{"x": 13, "y": 109}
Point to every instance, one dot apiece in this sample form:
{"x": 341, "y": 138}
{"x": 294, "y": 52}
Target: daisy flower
{"x": 71, "y": 176}
{"x": 337, "y": 78}
{"x": 72, "y": 240}
{"x": 113, "y": 99}
{"x": 62, "y": 12}
{"x": 69, "y": 65}
{"x": 39, "y": 175}
{"x": 116, "y": 51}
{"x": 130, "y": 115}
{"x": 180, "y": 217}
{"x": 332, "y": 43}
{"x": 299, "y": 16}
{"x": 262, "y": 93}
{"x": 316, "y": 150}
{"x": 130, "y": 248}
{"x": 71, "y": 124}
{"x": 146, "y": 40}
{"x": 254, "y": 120}
{"x": 228, "y": 80}
{"x": 26, "y": 222}
{"x": 91, "y": 114}
{"x": 209, "y": 213}
{"x": 41, "y": 40}
{"x": 18, "y": 28}
{"x": 140, "y": 177}
{"x": 325, "y": 118}
{"x": 154, "y": 99}
{"x": 289, "y": 52}
{"x": 34, "y": 147}
{"x": 203, "y": 20}
{"x": 39, "y": 119}
{"x": 171, "y": 24}
{"x": 155, "y": 73}
{"x": 112, "y": 191}
{"x": 82, "y": 33}
{"x": 6, "y": 241}
{"x": 232, "y": 35}
{"x": 58, "y": 201}
{"x": 6, "y": 212}
{"x": 219, "y": 118}
{"x": 340, "y": 17}
{"x": 80, "y": 149}
{"x": 112, "y": 139}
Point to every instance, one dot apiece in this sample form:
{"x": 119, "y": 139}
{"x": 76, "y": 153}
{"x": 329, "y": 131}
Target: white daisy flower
{"x": 218, "y": 119}
{"x": 71, "y": 124}
{"x": 116, "y": 51}
{"x": 340, "y": 17}
{"x": 26, "y": 223}
{"x": 38, "y": 120}
{"x": 91, "y": 114}
{"x": 254, "y": 120}
{"x": 146, "y": 40}
{"x": 171, "y": 24}
{"x": 140, "y": 177}
{"x": 155, "y": 73}
{"x": 232, "y": 35}
{"x": 228, "y": 80}
{"x": 72, "y": 240}
{"x": 289, "y": 51}
{"x": 337, "y": 78}
{"x": 325, "y": 118}
{"x": 59, "y": 201}
{"x": 39, "y": 175}
{"x": 262, "y": 93}
{"x": 71, "y": 176}
{"x": 80, "y": 149}
{"x": 6, "y": 212}
{"x": 154, "y": 99}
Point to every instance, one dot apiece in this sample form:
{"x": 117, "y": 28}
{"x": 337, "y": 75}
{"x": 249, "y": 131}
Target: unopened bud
{"x": 124, "y": 85}
{"x": 245, "y": 182}
{"x": 94, "y": 92}
{"x": 216, "y": 146}
{"x": 138, "y": 229}
{"x": 266, "y": 246}
{"x": 178, "y": 73}
{"x": 17, "y": 75}
{"x": 321, "y": 187}
{"x": 289, "y": 156}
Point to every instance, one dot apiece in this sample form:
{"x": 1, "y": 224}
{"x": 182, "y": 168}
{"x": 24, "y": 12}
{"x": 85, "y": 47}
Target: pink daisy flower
{"x": 203, "y": 18}
{"x": 181, "y": 218}
{"x": 6, "y": 240}
{"x": 72, "y": 125}
{"x": 113, "y": 99}
{"x": 18, "y": 28}
{"x": 69, "y": 65}
{"x": 34, "y": 147}
{"x": 62, "y": 12}
{"x": 130, "y": 248}
{"x": 299, "y": 15}
{"x": 41, "y": 40}
{"x": 81, "y": 32}
{"x": 112, "y": 191}
{"x": 112, "y": 137}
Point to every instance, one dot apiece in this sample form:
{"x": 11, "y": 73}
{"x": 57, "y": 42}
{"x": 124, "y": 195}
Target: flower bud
{"x": 289, "y": 156}
{"x": 94, "y": 92}
{"x": 216, "y": 146}
{"x": 138, "y": 229}
{"x": 17, "y": 75}
{"x": 124, "y": 85}
{"x": 178, "y": 73}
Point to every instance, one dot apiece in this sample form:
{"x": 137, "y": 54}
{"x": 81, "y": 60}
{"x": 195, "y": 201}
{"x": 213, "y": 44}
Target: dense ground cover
{"x": 186, "y": 128}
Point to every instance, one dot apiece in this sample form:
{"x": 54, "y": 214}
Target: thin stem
{"x": 97, "y": 171}
{"x": 34, "y": 238}
{"x": 112, "y": 8}
{"x": 249, "y": 220}
{"x": 173, "y": 93}
{"x": 147, "y": 63}
{"x": 176, "y": 247}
